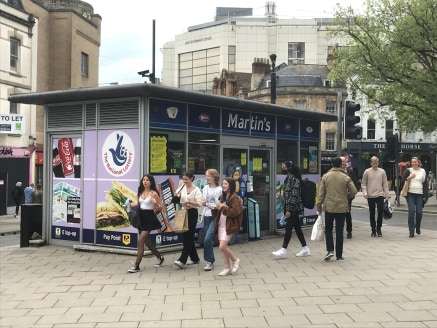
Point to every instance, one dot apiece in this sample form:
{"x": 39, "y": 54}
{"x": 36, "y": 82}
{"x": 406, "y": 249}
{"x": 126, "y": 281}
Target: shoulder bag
{"x": 134, "y": 217}
{"x": 406, "y": 186}
{"x": 180, "y": 222}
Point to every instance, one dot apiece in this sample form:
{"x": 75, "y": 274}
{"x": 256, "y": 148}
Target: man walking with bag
{"x": 335, "y": 190}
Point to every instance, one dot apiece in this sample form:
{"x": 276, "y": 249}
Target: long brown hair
{"x": 232, "y": 190}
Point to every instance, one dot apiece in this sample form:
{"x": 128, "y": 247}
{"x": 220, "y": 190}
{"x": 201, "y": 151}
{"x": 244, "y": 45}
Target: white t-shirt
{"x": 416, "y": 184}
{"x": 212, "y": 196}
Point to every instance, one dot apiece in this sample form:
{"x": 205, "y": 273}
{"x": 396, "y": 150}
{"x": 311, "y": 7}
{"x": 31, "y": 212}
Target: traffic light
{"x": 352, "y": 130}
{"x": 392, "y": 147}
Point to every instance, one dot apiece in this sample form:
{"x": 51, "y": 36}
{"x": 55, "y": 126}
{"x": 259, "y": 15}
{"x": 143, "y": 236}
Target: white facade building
{"x": 18, "y": 49}
{"x": 198, "y": 56}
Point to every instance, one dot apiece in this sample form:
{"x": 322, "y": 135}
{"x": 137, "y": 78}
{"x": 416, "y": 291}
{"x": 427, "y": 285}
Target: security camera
{"x": 143, "y": 73}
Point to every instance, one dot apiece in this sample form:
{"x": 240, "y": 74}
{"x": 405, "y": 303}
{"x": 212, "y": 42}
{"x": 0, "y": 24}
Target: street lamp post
{"x": 273, "y": 80}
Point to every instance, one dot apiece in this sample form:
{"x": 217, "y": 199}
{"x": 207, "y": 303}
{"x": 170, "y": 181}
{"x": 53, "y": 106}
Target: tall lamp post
{"x": 273, "y": 80}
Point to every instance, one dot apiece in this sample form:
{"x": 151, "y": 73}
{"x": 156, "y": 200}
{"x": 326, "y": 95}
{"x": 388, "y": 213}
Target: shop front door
{"x": 251, "y": 167}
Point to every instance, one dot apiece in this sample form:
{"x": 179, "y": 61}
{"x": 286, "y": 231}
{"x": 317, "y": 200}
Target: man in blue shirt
{"x": 28, "y": 194}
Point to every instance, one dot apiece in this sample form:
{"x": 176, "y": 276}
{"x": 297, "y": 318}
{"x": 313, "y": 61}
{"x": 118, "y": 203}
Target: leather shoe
{"x": 349, "y": 235}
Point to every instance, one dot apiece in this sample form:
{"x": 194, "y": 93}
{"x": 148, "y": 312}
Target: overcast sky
{"x": 127, "y": 37}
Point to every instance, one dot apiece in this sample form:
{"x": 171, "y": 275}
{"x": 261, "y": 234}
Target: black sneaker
{"x": 328, "y": 256}
{"x": 340, "y": 259}
{"x": 418, "y": 231}
{"x": 373, "y": 234}
{"x": 160, "y": 261}
{"x": 379, "y": 233}
{"x": 135, "y": 268}
{"x": 349, "y": 235}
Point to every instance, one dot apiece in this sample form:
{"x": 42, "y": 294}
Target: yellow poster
{"x": 158, "y": 154}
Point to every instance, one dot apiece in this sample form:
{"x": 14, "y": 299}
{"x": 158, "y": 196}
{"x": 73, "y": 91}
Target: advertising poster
{"x": 66, "y": 196}
{"x": 117, "y": 173}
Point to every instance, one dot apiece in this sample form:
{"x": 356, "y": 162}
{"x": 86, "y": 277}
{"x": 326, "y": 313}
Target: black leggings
{"x": 293, "y": 222}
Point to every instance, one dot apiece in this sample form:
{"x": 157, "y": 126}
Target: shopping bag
{"x": 180, "y": 223}
{"x": 318, "y": 233}
{"x": 134, "y": 217}
{"x": 404, "y": 191}
{"x": 201, "y": 214}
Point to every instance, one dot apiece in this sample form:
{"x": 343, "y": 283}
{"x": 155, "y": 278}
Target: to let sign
{"x": 12, "y": 124}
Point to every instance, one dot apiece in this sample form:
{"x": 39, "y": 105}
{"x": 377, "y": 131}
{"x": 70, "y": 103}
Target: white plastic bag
{"x": 318, "y": 233}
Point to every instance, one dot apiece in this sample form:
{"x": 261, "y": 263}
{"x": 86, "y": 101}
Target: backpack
{"x": 308, "y": 193}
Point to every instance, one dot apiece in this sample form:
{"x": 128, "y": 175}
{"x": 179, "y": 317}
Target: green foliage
{"x": 392, "y": 58}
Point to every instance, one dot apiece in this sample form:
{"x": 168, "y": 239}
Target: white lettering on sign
{"x": 254, "y": 123}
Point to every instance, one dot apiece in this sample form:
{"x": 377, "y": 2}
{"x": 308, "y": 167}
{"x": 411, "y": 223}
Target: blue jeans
{"x": 415, "y": 205}
{"x": 339, "y": 226}
{"x": 208, "y": 244}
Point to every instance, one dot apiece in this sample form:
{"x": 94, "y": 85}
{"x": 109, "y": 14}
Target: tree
{"x": 392, "y": 58}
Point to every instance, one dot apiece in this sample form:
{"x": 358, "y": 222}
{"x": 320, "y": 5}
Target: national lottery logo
{"x": 118, "y": 153}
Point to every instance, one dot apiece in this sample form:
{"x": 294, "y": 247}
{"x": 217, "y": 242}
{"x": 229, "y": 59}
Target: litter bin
{"x": 31, "y": 221}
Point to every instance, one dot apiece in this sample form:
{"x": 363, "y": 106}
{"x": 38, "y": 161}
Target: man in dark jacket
{"x": 17, "y": 195}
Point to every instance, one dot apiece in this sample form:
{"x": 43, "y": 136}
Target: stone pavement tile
{"x": 261, "y": 311}
{"x": 416, "y": 315}
{"x": 86, "y": 309}
{"x": 183, "y": 314}
{"x": 219, "y": 297}
{"x": 350, "y": 299}
{"x": 233, "y": 288}
{"x": 185, "y": 298}
{"x": 293, "y": 309}
{"x": 419, "y": 305}
{"x": 246, "y": 303}
{"x": 328, "y": 318}
{"x": 340, "y": 308}
{"x": 313, "y": 300}
{"x": 372, "y": 316}
{"x": 213, "y": 323}
{"x": 221, "y": 313}
{"x": 140, "y": 316}
{"x": 99, "y": 317}
{"x": 252, "y": 322}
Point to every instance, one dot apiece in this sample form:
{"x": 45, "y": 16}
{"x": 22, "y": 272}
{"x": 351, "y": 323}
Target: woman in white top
{"x": 148, "y": 200}
{"x": 416, "y": 191}
{"x": 211, "y": 194}
{"x": 190, "y": 197}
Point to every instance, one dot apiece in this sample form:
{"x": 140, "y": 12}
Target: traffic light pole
{"x": 339, "y": 127}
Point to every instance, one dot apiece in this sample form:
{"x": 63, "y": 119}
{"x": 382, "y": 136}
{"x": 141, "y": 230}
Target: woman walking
{"x": 417, "y": 191}
{"x": 211, "y": 194}
{"x": 190, "y": 197}
{"x": 148, "y": 199}
{"x": 293, "y": 208}
{"x": 229, "y": 215}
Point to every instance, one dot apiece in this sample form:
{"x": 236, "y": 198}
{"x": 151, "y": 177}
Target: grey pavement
{"x": 384, "y": 282}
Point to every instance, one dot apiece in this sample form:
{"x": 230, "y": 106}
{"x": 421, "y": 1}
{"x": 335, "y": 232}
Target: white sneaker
{"x": 280, "y": 252}
{"x": 304, "y": 252}
{"x": 179, "y": 264}
{"x": 236, "y": 265}
{"x": 225, "y": 272}
{"x": 209, "y": 266}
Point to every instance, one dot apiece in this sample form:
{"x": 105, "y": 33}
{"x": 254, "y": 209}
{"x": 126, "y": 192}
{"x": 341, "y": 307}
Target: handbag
{"x": 180, "y": 223}
{"x": 318, "y": 232}
{"x": 134, "y": 217}
{"x": 404, "y": 191}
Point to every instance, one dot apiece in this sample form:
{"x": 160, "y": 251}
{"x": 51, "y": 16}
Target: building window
{"x": 296, "y": 53}
{"x": 13, "y": 108}
{"x": 84, "y": 64}
{"x": 231, "y": 58}
{"x": 370, "y": 129}
{"x": 331, "y": 108}
{"x": 198, "y": 69}
{"x": 15, "y": 54}
{"x": 388, "y": 129}
{"x": 300, "y": 104}
{"x": 330, "y": 140}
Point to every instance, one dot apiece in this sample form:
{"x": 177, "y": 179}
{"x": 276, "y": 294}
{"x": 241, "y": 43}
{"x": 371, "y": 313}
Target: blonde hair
{"x": 374, "y": 159}
{"x": 214, "y": 173}
{"x": 417, "y": 159}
